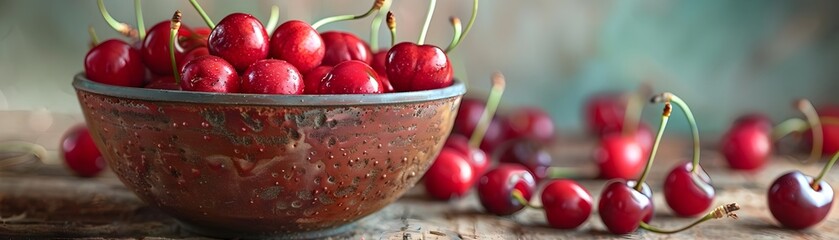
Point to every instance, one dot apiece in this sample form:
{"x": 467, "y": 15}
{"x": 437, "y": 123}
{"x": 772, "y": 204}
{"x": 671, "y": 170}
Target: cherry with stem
{"x": 120, "y": 27}
{"x": 138, "y": 12}
{"x": 468, "y": 27}
{"x": 203, "y": 14}
{"x": 175, "y": 25}
{"x": 798, "y": 201}
{"x": 376, "y": 6}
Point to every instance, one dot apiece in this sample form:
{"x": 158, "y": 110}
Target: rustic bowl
{"x": 232, "y": 165}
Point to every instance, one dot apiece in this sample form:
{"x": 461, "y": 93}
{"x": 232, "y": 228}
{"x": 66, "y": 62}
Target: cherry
{"x": 240, "y": 39}
{"x": 476, "y": 157}
{"x": 155, "y": 48}
{"x": 351, "y": 77}
{"x": 528, "y": 153}
{"x": 497, "y": 187}
{"x": 164, "y": 83}
{"x": 412, "y": 67}
{"x": 746, "y": 146}
{"x": 605, "y": 113}
{"x": 795, "y": 203}
{"x": 272, "y": 76}
{"x": 80, "y": 153}
{"x": 530, "y": 122}
{"x": 450, "y": 176}
{"x": 688, "y": 193}
{"x": 115, "y": 62}
{"x": 313, "y": 79}
{"x": 567, "y": 204}
{"x": 619, "y": 156}
{"x": 344, "y": 46}
{"x": 299, "y": 44}
{"x": 622, "y": 208}
{"x": 209, "y": 74}
{"x": 468, "y": 115}
{"x": 193, "y": 54}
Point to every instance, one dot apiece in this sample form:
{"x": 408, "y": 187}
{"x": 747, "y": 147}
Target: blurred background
{"x": 723, "y": 57}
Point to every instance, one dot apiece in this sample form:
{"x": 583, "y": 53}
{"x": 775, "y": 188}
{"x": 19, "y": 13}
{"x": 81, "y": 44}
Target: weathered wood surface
{"x": 48, "y": 202}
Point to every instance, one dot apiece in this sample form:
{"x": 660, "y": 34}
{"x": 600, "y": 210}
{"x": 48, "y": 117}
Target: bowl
{"x": 294, "y": 166}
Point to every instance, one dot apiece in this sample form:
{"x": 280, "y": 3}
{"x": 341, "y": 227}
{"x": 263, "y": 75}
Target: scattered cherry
{"x": 313, "y": 79}
{"x": 344, "y": 46}
{"x": 155, "y": 48}
{"x": 450, "y": 176}
{"x": 605, "y": 113}
{"x": 115, "y": 62}
{"x": 622, "y": 208}
{"x": 796, "y": 204}
{"x": 688, "y": 193}
{"x": 531, "y": 123}
{"x": 299, "y": 44}
{"x": 209, "y": 74}
{"x": 496, "y": 188}
{"x": 619, "y": 156}
{"x": 351, "y": 77}
{"x": 476, "y": 157}
{"x": 746, "y": 146}
{"x": 272, "y": 76}
{"x": 80, "y": 153}
{"x": 529, "y": 153}
{"x": 567, "y": 204}
{"x": 240, "y": 39}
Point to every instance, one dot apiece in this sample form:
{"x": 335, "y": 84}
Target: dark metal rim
{"x": 81, "y": 83}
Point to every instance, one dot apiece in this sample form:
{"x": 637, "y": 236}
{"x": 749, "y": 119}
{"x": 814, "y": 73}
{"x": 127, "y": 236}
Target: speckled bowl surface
{"x": 267, "y": 165}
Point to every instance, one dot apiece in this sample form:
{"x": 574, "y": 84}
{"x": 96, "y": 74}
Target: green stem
{"x": 664, "y": 116}
{"x": 203, "y": 14}
{"x": 516, "y": 194}
{"x": 726, "y": 210}
{"x": 458, "y": 31}
{"x": 789, "y": 126}
{"x": 691, "y": 121}
{"x": 391, "y": 25}
{"x": 273, "y": 19}
{"x": 427, "y": 23}
{"x": 650, "y": 228}
{"x": 812, "y": 115}
{"x": 377, "y": 23}
{"x": 468, "y": 26}
{"x": 492, "y": 104}
{"x": 555, "y": 172}
{"x": 122, "y": 28}
{"x": 138, "y": 12}
{"x": 824, "y": 171}
{"x": 173, "y": 38}
{"x": 94, "y": 40}
{"x": 376, "y": 6}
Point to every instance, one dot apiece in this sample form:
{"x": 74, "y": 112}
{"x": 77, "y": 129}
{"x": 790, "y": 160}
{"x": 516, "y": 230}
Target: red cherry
{"x": 156, "y": 48}
{"x": 193, "y": 54}
{"x": 80, "y": 153}
{"x": 209, "y": 74}
{"x": 687, "y": 193}
{"x": 795, "y": 204}
{"x": 496, "y": 187}
{"x": 344, "y": 46}
{"x": 378, "y": 62}
{"x": 567, "y": 204}
{"x": 164, "y": 83}
{"x": 605, "y": 113}
{"x": 115, "y": 62}
{"x": 272, "y": 76}
{"x": 468, "y": 115}
{"x": 530, "y": 122}
{"x": 351, "y": 77}
{"x": 477, "y": 158}
{"x": 746, "y": 146}
{"x": 622, "y": 208}
{"x": 644, "y": 136}
{"x": 619, "y": 156}
{"x": 240, "y": 39}
{"x": 299, "y": 44}
{"x": 412, "y": 67}
{"x": 386, "y": 86}
{"x": 312, "y": 79}
{"x": 528, "y": 153}
{"x": 450, "y": 176}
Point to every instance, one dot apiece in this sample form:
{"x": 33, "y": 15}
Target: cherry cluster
{"x": 241, "y": 55}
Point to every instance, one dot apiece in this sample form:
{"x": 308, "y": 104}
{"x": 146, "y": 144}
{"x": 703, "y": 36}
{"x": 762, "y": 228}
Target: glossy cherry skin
{"x": 688, "y": 194}
{"x": 240, "y": 39}
{"x": 622, "y": 208}
{"x": 344, "y": 46}
{"x": 313, "y": 79}
{"x": 619, "y": 156}
{"x": 476, "y": 157}
{"x": 164, "y": 83}
{"x": 412, "y": 67}
{"x": 272, "y": 76}
{"x": 468, "y": 116}
{"x": 795, "y": 204}
{"x": 604, "y": 112}
{"x": 193, "y": 54}
{"x": 209, "y": 74}
{"x": 529, "y": 153}
{"x": 450, "y": 176}
{"x": 378, "y": 62}
{"x": 495, "y": 188}
{"x": 155, "y": 48}
{"x": 80, "y": 153}
{"x": 115, "y": 62}
{"x": 746, "y": 146}
{"x": 351, "y": 77}
{"x": 298, "y": 43}
{"x": 531, "y": 123}
{"x": 567, "y": 204}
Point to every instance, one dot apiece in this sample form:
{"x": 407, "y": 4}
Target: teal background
{"x": 723, "y": 57}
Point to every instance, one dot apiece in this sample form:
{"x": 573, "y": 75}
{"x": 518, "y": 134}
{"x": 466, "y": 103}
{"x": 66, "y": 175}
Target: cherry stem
{"x": 826, "y": 168}
{"x": 555, "y": 172}
{"x": 494, "y": 98}
{"x": 377, "y": 23}
{"x": 458, "y": 31}
{"x": 431, "y": 6}
{"x": 664, "y": 117}
{"x": 376, "y": 6}
{"x": 812, "y": 115}
{"x": 122, "y": 28}
{"x": 94, "y": 40}
{"x": 468, "y": 26}
{"x": 516, "y": 194}
{"x": 634, "y": 108}
{"x": 138, "y": 12}
{"x": 203, "y": 14}
{"x": 391, "y": 24}
{"x": 29, "y": 152}
{"x": 797, "y": 125}
{"x": 273, "y": 19}
{"x": 670, "y": 97}
{"x": 726, "y": 210}
{"x": 173, "y": 38}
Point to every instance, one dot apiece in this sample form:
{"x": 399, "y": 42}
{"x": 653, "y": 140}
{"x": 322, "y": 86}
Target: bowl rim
{"x": 81, "y": 83}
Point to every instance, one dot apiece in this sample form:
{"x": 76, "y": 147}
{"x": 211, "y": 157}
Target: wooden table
{"x": 48, "y": 202}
